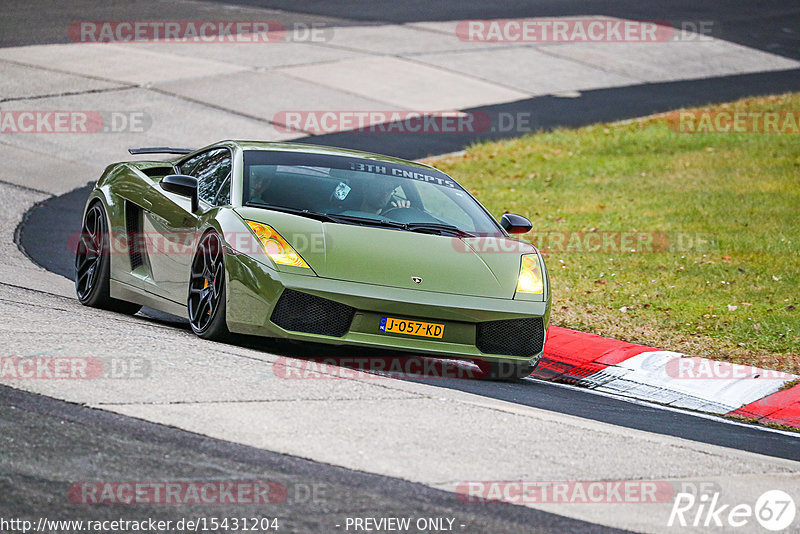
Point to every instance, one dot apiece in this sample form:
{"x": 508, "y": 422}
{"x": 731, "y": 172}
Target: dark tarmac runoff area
{"x": 56, "y": 455}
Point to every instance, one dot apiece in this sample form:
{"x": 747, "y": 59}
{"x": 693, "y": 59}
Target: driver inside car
{"x": 261, "y": 179}
{"x": 377, "y": 197}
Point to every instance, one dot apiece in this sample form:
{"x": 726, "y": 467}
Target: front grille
{"x": 301, "y": 312}
{"x": 133, "y": 227}
{"x": 514, "y": 337}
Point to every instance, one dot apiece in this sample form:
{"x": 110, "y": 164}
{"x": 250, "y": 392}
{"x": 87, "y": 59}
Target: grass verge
{"x": 683, "y": 241}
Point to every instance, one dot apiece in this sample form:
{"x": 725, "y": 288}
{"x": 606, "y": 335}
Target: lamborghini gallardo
{"x": 318, "y": 244}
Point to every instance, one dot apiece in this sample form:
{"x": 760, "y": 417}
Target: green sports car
{"x": 317, "y": 244}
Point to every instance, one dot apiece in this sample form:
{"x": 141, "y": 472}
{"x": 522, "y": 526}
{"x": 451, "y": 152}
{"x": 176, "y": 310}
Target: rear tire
{"x": 206, "y": 301}
{"x": 93, "y": 264}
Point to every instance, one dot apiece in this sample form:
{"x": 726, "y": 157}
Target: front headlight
{"x": 530, "y": 276}
{"x": 276, "y": 247}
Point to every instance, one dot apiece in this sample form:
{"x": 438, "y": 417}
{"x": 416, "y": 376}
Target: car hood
{"x": 481, "y": 266}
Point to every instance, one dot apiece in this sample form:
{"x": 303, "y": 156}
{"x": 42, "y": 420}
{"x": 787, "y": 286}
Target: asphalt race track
{"x": 77, "y": 443}
{"x": 38, "y": 239}
{"x": 52, "y": 438}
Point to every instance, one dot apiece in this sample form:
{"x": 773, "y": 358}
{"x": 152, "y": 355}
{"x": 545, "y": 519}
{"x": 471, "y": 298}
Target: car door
{"x": 174, "y": 226}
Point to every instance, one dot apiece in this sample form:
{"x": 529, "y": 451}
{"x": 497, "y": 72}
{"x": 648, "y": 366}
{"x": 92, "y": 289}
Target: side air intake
{"x": 133, "y": 227}
{"x": 513, "y": 337}
{"x": 301, "y": 312}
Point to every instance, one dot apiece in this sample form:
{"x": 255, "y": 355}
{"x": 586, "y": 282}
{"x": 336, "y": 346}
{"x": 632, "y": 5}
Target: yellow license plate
{"x": 411, "y": 328}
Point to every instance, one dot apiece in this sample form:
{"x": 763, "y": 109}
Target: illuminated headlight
{"x": 530, "y": 276}
{"x": 276, "y": 246}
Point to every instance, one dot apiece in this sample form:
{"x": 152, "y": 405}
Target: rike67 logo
{"x": 774, "y": 510}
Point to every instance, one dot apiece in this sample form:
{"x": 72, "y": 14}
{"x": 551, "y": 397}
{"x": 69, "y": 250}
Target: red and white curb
{"x": 669, "y": 378}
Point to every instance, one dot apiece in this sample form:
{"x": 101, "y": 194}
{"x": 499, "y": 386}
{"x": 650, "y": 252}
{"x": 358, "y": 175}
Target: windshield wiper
{"x": 328, "y": 217}
{"x": 349, "y": 219}
{"x": 293, "y": 211}
{"x": 440, "y": 228}
{"x": 421, "y": 227}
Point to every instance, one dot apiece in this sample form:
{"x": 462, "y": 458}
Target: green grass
{"x": 740, "y": 192}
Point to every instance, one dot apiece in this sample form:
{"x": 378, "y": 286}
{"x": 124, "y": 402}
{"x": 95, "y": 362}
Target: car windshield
{"x": 363, "y": 191}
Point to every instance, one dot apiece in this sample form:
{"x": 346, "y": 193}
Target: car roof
{"x": 318, "y": 149}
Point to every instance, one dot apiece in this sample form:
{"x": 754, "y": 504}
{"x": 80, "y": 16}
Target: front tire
{"x": 93, "y": 264}
{"x": 206, "y": 302}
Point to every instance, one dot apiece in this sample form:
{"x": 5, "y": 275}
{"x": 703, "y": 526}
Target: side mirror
{"x": 185, "y": 186}
{"x": 515, "y": 224}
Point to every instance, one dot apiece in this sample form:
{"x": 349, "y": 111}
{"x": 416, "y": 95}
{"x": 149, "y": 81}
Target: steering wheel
{"x": 408, "y": 209}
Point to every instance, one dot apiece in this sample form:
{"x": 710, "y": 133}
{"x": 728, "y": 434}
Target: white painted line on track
{"x": 664, "y": 407}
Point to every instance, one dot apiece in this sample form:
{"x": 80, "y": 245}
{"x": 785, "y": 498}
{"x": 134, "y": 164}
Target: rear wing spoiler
{"x": 160, "y": 150}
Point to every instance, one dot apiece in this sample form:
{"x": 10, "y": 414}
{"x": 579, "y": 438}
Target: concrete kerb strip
{"x": 669, "y": 378}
